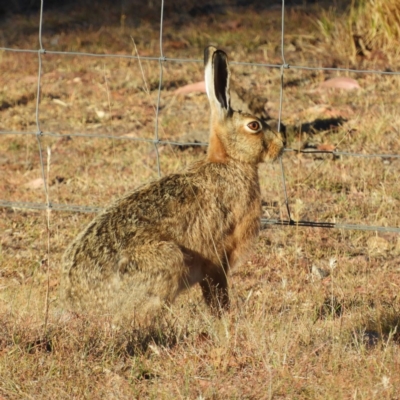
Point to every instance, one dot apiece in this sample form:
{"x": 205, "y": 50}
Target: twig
{"x": 48, "y": 211}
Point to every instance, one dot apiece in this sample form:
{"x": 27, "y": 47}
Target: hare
{"x": 185, "y": 228}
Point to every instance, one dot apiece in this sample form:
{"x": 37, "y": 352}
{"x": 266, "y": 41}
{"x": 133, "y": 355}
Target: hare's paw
{"x": 215, "y": 290}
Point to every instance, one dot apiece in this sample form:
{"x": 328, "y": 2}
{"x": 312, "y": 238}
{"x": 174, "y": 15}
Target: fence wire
{"x": 161, "y": 60}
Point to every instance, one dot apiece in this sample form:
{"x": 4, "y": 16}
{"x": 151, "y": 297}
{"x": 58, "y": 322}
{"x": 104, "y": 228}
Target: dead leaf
{"x": 131, "y": 134}
{"x": 326, "y": 147}
{"x": 340, "y": 82}
{"x": 177, "y": 44}
{"x": 29, "y": 79}
{"x": 60, "y": 102}
{"x": 35, "y": 184}
{"x": 193, "y": 87}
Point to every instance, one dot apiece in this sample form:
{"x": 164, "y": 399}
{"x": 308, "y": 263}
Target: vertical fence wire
{"x": 40, "y": 53}
{"x": 283, "y": 66}
{"x": 160, "y": 82}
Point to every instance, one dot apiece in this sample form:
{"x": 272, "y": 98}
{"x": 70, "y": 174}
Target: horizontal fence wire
{"x": 194, "y": 60}
{"x": 203, "y": 144}
{"x": 265, "y": 222}
{"x": 161, "y": 60}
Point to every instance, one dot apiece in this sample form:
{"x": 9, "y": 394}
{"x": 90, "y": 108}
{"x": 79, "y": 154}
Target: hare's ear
{"x": 217, "y": 80}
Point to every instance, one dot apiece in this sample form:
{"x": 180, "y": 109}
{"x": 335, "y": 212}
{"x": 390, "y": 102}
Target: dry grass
{"x": 370, "y": 27}
{"x": 315, "y": 312}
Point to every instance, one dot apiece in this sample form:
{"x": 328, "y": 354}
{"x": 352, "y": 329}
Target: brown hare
{"x": 185, "y": 228}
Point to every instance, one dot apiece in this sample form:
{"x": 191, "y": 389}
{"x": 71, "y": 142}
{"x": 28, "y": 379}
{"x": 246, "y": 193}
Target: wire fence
{"x": 162, "y": 59}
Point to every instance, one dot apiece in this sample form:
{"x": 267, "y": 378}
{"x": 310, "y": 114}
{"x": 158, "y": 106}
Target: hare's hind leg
{"x": 159, "y": 272}
{"x": 137, "y": 280}
{"x": 215, "y": 289}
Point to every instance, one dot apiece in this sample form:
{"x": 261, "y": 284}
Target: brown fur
{"x": 180, "y": 230}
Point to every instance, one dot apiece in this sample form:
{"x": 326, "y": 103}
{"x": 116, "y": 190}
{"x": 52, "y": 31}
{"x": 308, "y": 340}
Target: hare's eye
{"x": 254, "y": 126}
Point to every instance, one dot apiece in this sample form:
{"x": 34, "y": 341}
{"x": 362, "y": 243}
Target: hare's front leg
{"x": 215, "y": 289}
